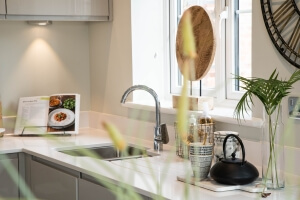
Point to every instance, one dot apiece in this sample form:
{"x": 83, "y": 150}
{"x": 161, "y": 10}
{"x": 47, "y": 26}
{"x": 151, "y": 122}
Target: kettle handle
{"x": 241, "y": 143}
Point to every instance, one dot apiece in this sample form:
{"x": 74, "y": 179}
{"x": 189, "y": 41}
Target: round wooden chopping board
{"x": 204, "y": 42}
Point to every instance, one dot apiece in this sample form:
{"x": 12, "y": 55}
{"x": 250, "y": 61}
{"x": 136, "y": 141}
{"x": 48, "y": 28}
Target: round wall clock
{"x": 282, "y": 20}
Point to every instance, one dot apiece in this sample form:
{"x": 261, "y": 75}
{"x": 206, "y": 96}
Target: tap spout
{"x": 158, "y": 139}
{"x": 149, "y": 90}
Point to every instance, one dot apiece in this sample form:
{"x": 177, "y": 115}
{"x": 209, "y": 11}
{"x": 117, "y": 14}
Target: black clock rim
{"x": 267, "y": 2}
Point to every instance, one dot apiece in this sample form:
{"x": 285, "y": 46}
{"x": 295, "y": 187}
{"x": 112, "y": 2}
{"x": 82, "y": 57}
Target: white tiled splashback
{"x": 129, "y": 127}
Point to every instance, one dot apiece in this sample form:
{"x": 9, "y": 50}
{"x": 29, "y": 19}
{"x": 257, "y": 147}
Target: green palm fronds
{"x": 269, "y": 91}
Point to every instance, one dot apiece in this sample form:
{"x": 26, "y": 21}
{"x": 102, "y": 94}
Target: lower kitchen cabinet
{"x": 51, "y": 181}
{"x": 91, "y": 190}
{"x": 8, "y": 186}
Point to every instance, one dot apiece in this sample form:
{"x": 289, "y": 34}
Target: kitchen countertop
{"x": 144, "y": 174}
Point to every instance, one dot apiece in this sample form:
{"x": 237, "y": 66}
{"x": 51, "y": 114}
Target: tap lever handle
{"x": 164, "y": 133}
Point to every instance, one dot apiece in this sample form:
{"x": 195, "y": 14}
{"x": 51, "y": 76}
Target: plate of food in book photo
{"x": 61, "y": 118}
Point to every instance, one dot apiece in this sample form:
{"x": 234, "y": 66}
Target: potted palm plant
{"x": 270, "y": 92}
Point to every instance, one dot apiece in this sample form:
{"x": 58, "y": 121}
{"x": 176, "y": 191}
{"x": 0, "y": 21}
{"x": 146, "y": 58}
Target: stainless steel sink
{"x": 108, "y": 152}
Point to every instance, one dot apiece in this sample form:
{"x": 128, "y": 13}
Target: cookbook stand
{"x": 42, "y": 132}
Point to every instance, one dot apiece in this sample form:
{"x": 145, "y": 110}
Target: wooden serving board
{"x": 212, "y": 185}
{"x": 195, "y": 103}
{"x": 204, "y": 42}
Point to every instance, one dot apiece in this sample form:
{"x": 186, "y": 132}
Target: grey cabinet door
{"x": 76, "y": 10}
{"x": 2, "y": 7}
{"x": 9, "y": 187}
{"x": 58, "y": 7}
{"x": 91, "y": 191}
{"x": 47, "y": 182}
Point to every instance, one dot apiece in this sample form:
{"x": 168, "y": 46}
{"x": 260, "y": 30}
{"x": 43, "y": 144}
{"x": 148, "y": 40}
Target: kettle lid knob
{"x": 233, "y": 156}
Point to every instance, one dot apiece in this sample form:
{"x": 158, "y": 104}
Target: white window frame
{"x": 167, "y": 61}
{"x": 173, "y": 27}
{"x": 230, "y": 62}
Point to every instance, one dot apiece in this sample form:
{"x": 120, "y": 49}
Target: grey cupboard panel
{"x": 9, "y": 187}
{"x": 59, "y": 9}
{"x": 92, "y": 191}
{"x": 2, "y": 7}
{"x": 49, "y": 183}
{"x": 89, "y": 188}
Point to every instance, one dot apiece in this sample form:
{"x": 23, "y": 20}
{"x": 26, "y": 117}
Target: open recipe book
{"x": 55, "y": 114}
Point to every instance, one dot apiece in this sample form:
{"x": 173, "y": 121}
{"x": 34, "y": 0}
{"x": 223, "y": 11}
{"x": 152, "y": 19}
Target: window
{"x": 154, "y": 27}
{"x": 232, "y": 24}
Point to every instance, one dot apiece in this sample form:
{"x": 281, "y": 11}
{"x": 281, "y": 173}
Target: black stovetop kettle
{"x": 233, "y": 171}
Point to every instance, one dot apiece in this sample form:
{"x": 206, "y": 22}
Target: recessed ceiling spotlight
{"x": 40, "y": 23}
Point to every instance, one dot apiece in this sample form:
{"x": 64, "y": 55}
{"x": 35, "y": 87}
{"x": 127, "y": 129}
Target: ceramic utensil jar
{"x": 201, "y": 156}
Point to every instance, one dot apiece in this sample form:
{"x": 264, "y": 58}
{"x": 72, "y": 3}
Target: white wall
{"x": 111, "y": 60}
{"x": 37, "y": 60}
{"x": 148, "y": 50}
{"x": 265, "y": 59}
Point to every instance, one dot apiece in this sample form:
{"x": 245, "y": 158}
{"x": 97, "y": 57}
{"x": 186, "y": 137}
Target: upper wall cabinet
{"x": 2, "y": 9}
{"x": 60, "y": 10}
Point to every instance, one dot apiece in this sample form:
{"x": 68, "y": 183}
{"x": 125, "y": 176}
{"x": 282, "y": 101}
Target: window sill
{"x": 221, "y": 113}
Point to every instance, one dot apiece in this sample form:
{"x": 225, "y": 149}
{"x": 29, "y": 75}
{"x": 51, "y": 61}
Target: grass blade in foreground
{"x": 115, "y": 135}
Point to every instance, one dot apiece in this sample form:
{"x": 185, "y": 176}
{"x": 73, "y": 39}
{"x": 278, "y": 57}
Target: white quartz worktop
{"x": 144, "y": 174}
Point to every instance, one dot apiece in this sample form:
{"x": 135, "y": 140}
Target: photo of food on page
{"x": 61, "y": 115}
